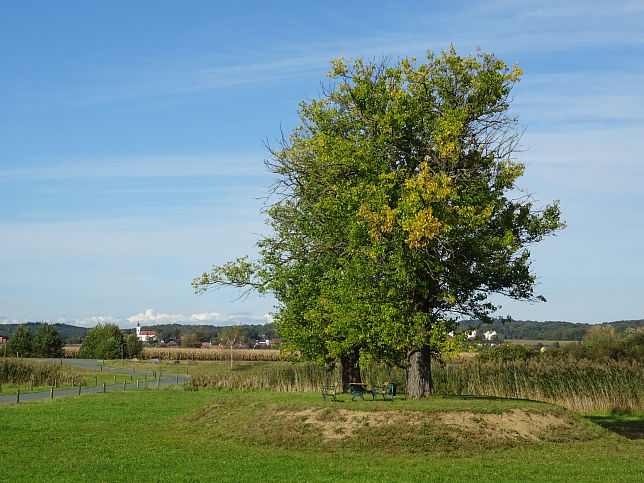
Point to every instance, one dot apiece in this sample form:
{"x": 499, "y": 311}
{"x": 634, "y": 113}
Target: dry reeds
{"x": 577, "y": 384}
{"x": 18, "y": 372}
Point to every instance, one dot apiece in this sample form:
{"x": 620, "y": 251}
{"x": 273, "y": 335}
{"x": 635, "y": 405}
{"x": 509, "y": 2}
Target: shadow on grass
{"x": 631, "y": 427}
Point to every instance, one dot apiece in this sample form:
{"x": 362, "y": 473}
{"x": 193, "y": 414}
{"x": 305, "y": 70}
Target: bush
{"x": 504, "y": 352}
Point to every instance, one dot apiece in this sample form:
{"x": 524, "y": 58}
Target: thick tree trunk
{"x": 350, "y": 369}
{"x": 419, "y": 373}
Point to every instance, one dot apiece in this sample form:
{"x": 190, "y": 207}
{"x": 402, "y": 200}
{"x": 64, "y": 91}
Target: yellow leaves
{"x": 380, "y": 222}
{"x": 422, "y": 228}
{"x": 339, "y": 67}
{"x": 429, "y": 186}
{"x": 424, "y": 192}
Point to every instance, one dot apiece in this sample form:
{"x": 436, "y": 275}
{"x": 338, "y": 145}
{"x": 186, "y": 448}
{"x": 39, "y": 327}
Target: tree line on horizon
{"x": 512, "y": 330}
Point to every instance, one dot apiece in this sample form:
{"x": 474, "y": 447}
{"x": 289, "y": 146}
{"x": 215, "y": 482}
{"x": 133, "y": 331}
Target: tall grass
{"x": 19, "y": 372}
{"x": 581, "y": 385}
{"x": 273, "y": 376}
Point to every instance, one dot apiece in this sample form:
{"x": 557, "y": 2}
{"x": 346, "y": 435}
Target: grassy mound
{"x": 229, "y": 435}
{"x": 429, "y": 426}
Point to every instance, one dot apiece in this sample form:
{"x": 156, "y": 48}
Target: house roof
{"x": 148, "y": 332}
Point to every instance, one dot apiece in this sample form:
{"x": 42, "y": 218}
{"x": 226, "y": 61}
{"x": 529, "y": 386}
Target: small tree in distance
{"x": 48, "y": 342}
{"x": 133, "y": 346}
{"x": 20, "y": 344}
{"x": 232, "y": 337}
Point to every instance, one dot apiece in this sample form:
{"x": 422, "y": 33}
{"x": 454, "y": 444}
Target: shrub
{"x": 504, "y": 352}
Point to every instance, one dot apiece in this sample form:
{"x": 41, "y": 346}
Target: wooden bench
{"x": 384, "y": 390}
{"x": 329, "y": 391}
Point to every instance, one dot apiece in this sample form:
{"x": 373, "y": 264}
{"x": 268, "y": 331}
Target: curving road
{"x": 92, "y": 364}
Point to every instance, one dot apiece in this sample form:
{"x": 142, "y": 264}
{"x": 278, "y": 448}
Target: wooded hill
{"x": 515, "y": 329}
{"x": 549, "y": 330}
{"x": 71, "y": 333}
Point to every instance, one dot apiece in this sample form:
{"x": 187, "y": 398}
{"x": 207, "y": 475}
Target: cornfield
{"x": 163, "y": 353}
{"x": 70, "y": 352}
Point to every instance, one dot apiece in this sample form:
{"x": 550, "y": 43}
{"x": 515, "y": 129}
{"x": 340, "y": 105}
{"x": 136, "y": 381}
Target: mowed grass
{"x": 230, "y": 435}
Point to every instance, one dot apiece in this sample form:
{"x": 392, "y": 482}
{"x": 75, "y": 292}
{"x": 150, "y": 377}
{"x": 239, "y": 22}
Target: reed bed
{"x": 19, "y": 372}
{"x": 274, "y": 376}
{"x": 580, "y": 385}
{"x": 577, "y": 384}
{"x": 164, "y": 353}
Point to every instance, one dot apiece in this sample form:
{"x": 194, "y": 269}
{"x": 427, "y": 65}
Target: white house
{"x": 145, "y": 335}
{"x": 489, "y": 335}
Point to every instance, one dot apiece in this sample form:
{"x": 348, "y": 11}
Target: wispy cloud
{"x": 151, "y": 166}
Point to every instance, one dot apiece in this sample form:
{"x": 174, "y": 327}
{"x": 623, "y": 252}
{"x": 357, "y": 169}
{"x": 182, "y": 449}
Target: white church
{"x": 145, "y": 335}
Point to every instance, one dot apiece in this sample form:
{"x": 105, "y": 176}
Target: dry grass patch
{"x": 456, "y": 428}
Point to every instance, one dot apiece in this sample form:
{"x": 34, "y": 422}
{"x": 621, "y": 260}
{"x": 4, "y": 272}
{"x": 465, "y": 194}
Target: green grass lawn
{"x": 175, "y": 434}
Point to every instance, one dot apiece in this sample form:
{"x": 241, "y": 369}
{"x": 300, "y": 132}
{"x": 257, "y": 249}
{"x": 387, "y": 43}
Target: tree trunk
{"x": 419, "y": 373}
{"x": 350, "y": 369}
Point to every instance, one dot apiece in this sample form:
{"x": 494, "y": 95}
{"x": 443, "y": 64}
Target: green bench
{"x": 384, "y": 390}
{"x": 329, "y": 391}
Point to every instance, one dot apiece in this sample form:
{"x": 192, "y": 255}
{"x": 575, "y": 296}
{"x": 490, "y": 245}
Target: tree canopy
{"x": 102, "y": 342}
{"x": 21, "y": 342}
{"x": 396, "y": 212}
{"x": 48, "y": 342}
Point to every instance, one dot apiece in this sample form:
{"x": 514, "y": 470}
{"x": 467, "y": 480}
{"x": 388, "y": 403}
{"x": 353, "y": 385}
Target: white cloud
{"x": 151, "y": 317}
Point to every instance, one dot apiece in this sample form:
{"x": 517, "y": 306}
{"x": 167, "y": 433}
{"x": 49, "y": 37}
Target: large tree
{"x": 397, "y": 212}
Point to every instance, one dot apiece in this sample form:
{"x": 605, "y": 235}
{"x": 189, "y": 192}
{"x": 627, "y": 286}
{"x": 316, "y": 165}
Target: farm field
{"x": 232, "y": 435}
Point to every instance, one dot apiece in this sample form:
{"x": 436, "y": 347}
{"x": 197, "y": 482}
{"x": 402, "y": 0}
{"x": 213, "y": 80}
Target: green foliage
{"x": 102, "y": 342}
{"x": 504, "y": 352}
{"x": 48, "y": 342}
{"x": 133, "y": 346}
{"x": 396, "y": 213}
{"x": 194, "y": 339}
{"x": 602, "y": 343}
{"x": 21, "y": 342}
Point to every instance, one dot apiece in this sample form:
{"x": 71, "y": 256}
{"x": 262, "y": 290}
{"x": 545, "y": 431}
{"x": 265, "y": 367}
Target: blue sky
{"x": 131, "y": 143}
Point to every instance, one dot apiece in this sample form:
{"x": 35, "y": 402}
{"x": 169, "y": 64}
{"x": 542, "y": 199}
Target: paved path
{"x": 92, "y": 364}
